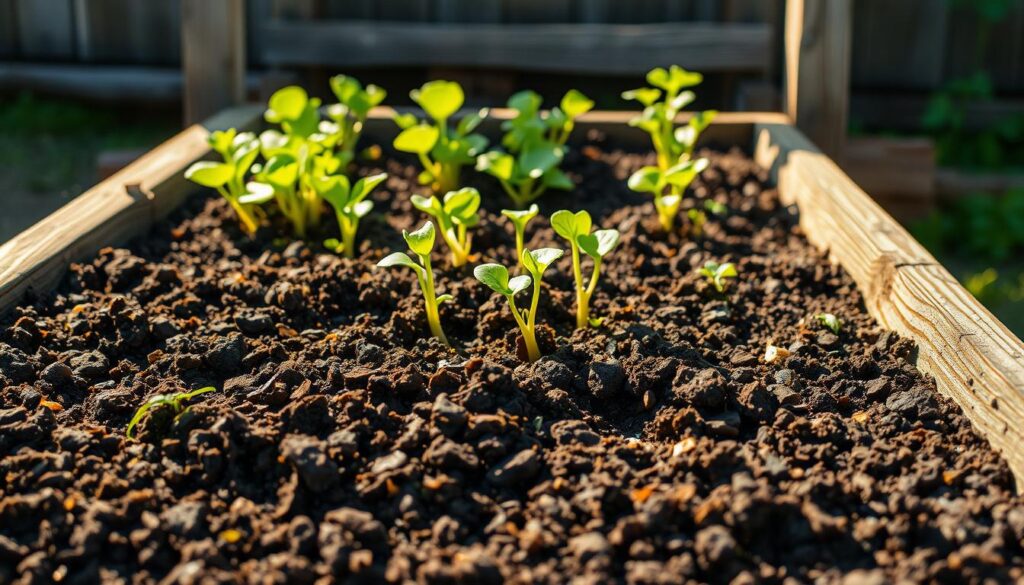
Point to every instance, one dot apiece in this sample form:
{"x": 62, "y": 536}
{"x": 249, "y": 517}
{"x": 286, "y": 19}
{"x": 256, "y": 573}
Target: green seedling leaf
{"x": 526, "y": 102}
{"x": 366, "y": 185}
{"x": 462, "y": 205}
{"x": 287, "y": 103}
{"x": 494, "y": 276}
{"x": 575, "y": 104}
{"x": 539, "y": 158}
{"x": 645, "y": 95}
{"x": 439, "y": 99}
{"x": 430, "y": 205}
{"x": 210, "y": 174}
{"x": 418, "y": 139}
{"x": 570, "y": 225}
{"x": 421, "y": 241}
{"x": 647, "y": 180}
{"x": 537, "y": 261}
{"x": 175, "y": 402}
{"x": 406, "y": 120}
{"x": 717, "y": 273}
{"x": 715, "y": 208}
{"x": 521, "y": 217}
{"x": 598, "y": 244}
{"x": 257, "y": 193}
{"x": 830, "y": 321}
{"x": 395, "y": 259}
{"x": 497, "y": 164}
{"x": 673, "y": 79}
{"x": 469, "y": 123}
{"x": 556, "y": 179}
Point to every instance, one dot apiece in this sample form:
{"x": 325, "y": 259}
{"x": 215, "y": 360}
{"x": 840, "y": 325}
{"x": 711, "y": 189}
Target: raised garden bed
{"x": 343, "y": 441}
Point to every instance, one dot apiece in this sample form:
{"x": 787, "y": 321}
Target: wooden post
{"x": 817, "y": 70}
{"x": 212, "y": 56}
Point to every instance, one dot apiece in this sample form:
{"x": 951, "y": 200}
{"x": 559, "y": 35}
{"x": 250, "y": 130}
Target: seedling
{"x": 454, "y": 217}
{"x": 830, "y": 321}
{"x": 662, "y": 103}
{"x": 496, "y": 277}
{"x": 718, "y": 273}
{"x": 715, "y": 208}
{"x": 697, "y": 220}
{"x": 443, "y": 151}
{"x": 350, "y": 205}
{"x": 519, "y": 221}
{"x": 297, "y": 157}
{"x": 175, "y": 402}
{"x": 575, "y": 227}
{"x": 667, "y": 187}
{"x": 535, "y": 146}
{"x": 238, "y": 151}
{"x": 349, "y": 114}
{"x": 421, "y": 242}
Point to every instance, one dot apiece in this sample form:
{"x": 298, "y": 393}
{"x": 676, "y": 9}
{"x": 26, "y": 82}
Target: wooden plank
{"x": 213, "y": 56}
{"x": 577, "y": 48}
{"x": 952, "y": 184}
{"x": 915, "y": 31}
{"x": 903, "y": 112}
{"x": 466, "y": 11}
{"x": 537, "y": 11}
{"x": 404, "y": 10}
{"x": 818, "y": 70}
{"x": 128, "y": 32}
{"x": 973, "y": 357}
{"x": 8, "y": 29}
{"x": 899, "y": 173}
{"x": 123, "y": 206}
{"x": 46, "y": 29}
{"x": 95, "y": 82}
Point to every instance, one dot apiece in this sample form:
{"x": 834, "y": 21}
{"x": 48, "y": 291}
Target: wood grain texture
{"x": 973, "y": 357}
{"x": 212, "y": 56}
{"x": 123, "y": 206}
{"x": 577, "y": 48}
{"x": 817, "y": 66}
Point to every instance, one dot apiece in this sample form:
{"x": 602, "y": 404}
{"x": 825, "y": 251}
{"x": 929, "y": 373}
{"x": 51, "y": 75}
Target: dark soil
{"x": 345, "y": 445}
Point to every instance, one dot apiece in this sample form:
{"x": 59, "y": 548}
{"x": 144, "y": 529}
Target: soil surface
{"x": 343, "y": 444}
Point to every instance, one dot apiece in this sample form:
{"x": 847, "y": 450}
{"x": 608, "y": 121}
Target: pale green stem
{"x": 532, "y": 350}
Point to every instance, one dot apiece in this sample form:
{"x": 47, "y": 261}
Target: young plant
{"x": 662, "y": 103}
{"x": 442, "y": 150}
{"x": 535, "y": 146}
{"x": 830, "y": 321}
{"x": 667, "y": 187}
{"x": 349, "y": 114}
{"x": 697, "y": 220}
{"x": 454, "y": 217}
{"x": 238, "y": 152}
{"x": 421, "y": 242}
{"x": 496, "y": 277}
{"x": 575, "y": 227}
{"x": 350, "y": 205}
{"x": 175, "y": 402}
{"x": 519, "y": 221}
{"x": 716, "y": 274}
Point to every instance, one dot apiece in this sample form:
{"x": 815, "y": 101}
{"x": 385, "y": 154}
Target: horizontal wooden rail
{"x": 973, "y": 357}
{"x": 577, "y": 48}
{"x": 122, "y": 206}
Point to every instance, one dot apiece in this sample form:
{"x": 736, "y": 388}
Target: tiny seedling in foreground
{"x": 667, "y": 187}
{"x": 535, "y": 146}
{"x": 496, "y": 277}
{"x": 350, "y": 205}
{"x": 830, "y": 321}
{"x": 716, "y": 274}
{"x": 175, "y": 402}
{"x": 239, "y": 152}
{"x": 697, "y": 220}
{"x": 442, "y": 150}
{"x": 421, "y": 242}
{"x": 519, "y": 221}
{"x": 454, "y": 217}
{"x": 575, "y": 227}
{"x": 661, "y": 105}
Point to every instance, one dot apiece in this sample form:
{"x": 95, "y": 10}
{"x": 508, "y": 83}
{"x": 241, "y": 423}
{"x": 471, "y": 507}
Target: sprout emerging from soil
{"x": 661, "y": 105}
{"x": 349, "y": 114}
{"x": 421, "y": 242}
{"x": 830, "y": 321}
{"x": 575, "y": 227}
{"x": 716, "y": 274}
{"x": 443, "y": 151}
{"x": 519, "y": 221}
{"x": 350, "y": 205}
{"x": 454, "y": 217}
{"x": 697, "y": 220}
{"x": 535, "y": 146}
{"x": 667, "y": 187}
{"x": 496, "y": 277}
{"x": 715, "y": 208}
{"x": 175, "y": 402}
{"x": 239, "y": 152}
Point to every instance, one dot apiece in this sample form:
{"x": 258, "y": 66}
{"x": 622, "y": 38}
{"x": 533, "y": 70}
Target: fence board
{"x": 537, "y": 11}
{"x": 577, "y": 48}
{"x": 8, "y": 29}
{"x": 913, "y": 31}
{"x": 466, "y": 11}
{"x": 45, "y": 29}
{"x": 128, "y": 31}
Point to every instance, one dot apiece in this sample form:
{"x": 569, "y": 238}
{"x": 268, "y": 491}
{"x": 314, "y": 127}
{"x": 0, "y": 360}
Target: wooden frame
{"x": 974, "y": 358}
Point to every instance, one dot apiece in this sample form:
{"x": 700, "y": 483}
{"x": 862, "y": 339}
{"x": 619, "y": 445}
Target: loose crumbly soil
{"x": 344, "y": 444}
